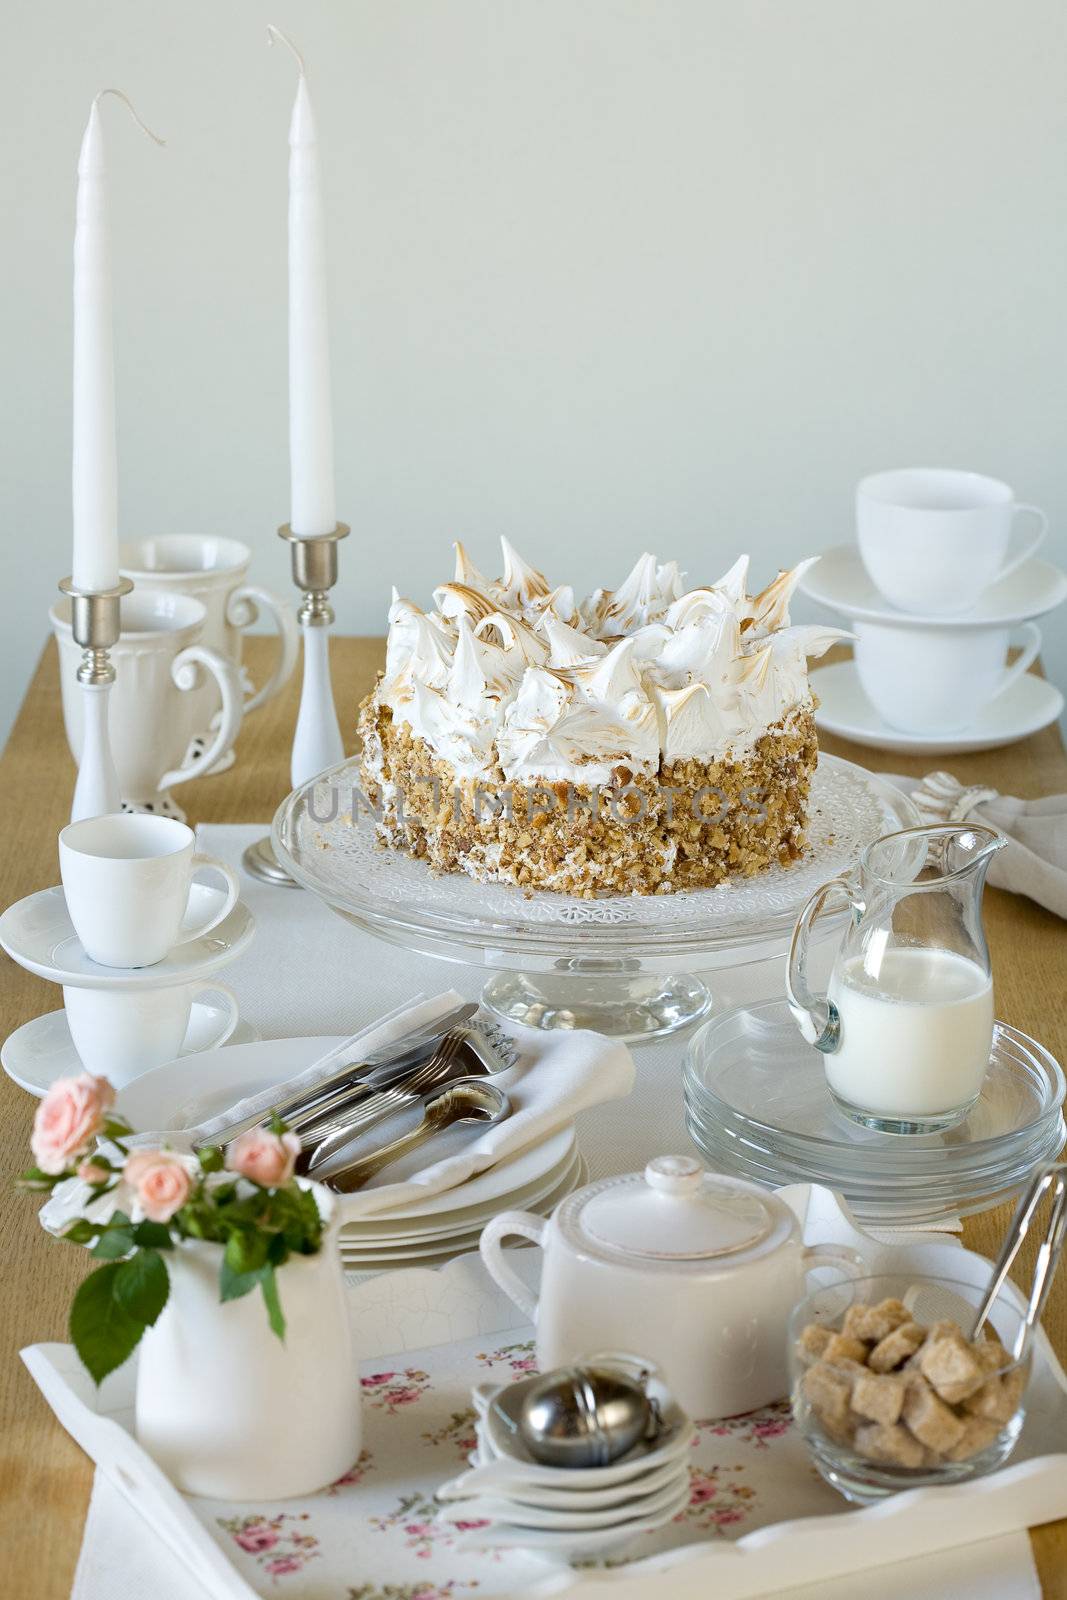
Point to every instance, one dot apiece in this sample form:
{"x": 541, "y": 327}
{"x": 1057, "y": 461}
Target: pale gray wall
{"x": 606, "y": 274}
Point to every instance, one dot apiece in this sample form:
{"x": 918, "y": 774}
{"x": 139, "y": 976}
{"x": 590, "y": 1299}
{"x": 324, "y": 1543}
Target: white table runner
{"x": 309, "y": 972}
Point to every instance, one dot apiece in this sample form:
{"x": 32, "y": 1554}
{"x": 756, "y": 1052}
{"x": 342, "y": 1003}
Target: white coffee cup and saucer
{"x": 43, "y": 1049}
{"x": 128, "y": 893}
{"x": 934, "y": 540}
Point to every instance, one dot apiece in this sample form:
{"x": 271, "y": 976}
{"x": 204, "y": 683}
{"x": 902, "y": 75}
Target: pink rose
{"x": 91, "y": 1172}
{"x": 161, "y": 1181}
{"x": 68, "y": 1119}
{"x": 282, "y": 1564}
{"x": 260, "y": 1536}
{"x": 266, "y": 1158}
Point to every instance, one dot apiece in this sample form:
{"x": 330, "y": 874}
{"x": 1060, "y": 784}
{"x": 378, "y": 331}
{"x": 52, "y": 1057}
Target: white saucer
{"x": 839, "y": 581}
{"x": 1028, "y": 705}
{"x": 38, "y": 933}
{"x": 41, "y": 1051}
{"x": 187, "y": 1091}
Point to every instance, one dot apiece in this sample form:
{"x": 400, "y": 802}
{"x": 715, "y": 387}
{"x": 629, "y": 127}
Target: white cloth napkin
{"x": 1034, "y": 862}
{"x": 557, "y": 1076}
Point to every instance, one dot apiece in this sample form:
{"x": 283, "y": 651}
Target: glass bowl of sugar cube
{"x": 891, "y": 1388}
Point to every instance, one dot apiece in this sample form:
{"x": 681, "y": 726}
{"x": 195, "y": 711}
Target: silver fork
{"x": 323, "y": 1139}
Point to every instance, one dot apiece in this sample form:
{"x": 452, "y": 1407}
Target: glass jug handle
{"x": 816, "y": 1016}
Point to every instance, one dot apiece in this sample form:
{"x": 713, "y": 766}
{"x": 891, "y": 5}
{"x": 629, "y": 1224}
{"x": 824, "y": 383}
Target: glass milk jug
{"x": 906, "y": 1027}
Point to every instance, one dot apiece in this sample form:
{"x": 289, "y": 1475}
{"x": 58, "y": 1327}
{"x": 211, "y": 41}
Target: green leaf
{"x": 245, "y": 1252}
{"x": 141, "y": 1286}
{"x": 34, "y": 1178}
{"x": 102, "y": 1330}
{"x": 153, "y": 1235}
{"x": 211, "y": 1158}
{"x": 232, "y": 1285}
{"x": 275, "y": 1315}
{"x": 81, "y": 1231}
{"x": 113, "y": 1243}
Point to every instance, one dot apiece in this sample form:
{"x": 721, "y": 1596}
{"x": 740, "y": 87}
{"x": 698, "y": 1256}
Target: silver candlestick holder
{"x": 317, "y": 740}
{"x": 96, "y": 623}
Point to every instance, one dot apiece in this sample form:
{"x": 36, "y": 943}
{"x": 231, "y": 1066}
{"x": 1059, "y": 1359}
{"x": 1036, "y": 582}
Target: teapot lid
{"x": 675, "y": 1211}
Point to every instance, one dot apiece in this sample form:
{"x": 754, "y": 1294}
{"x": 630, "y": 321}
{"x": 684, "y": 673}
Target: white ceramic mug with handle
{"x": 127, "y": 881}
{"x": 938, "y": 680}
{"x": 163, "y": 670}
{"x": 934, "y": 540}
{"x": 214, "y": 570}
{"x": 120, "y": 1033}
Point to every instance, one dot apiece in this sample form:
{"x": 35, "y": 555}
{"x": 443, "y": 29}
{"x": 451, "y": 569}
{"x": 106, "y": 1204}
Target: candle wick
{"x": 273, "y": 36}
{"x": 128, "y": 103}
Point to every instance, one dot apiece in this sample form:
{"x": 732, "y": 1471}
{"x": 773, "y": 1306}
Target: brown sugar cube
{"x": 891, "y": 1445}
{"x": 977, "y": 1433}
{"x": 895, "y": 1347}
{"x": 879, "y": 1396}
{"x": 999, "y": 1398}
{"x": 990, "y": 1355}
{"x": 873, "y": 1323}
{"x": 840, "y": 1347}
{"x": 949, "y": 1364}
{"x": 930, "y": 1419}
{"x": 813, "y": 1341}
{"x": 827, "y": 1392}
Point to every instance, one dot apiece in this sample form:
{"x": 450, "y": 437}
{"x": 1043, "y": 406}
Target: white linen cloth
{"x": 1034, "y": 862}
{"x": 307, "y": 972}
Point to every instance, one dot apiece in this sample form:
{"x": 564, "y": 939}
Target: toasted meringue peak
{"x": 511, "y": 672}
{"x": 467, "y": 573}
{"x": 452, "y": 599}
{"x": 769, "y": 610}
{"x": 568, "y": 647}
{"x": 521, "y": 584}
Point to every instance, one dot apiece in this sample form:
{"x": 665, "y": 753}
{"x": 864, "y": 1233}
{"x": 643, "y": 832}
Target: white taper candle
{"x": 94, "y": 472}
{"x": 313, "y": 507}
{"x": 94, "y": 469}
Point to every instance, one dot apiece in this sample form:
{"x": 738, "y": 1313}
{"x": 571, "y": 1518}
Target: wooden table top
{"x": 46, "y": 1479}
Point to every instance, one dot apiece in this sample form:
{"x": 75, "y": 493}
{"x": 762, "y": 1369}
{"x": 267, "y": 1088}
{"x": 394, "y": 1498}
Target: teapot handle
{"x": 815, "y": 1015}
{"x": 849, "y": 1263}
{"x": 527, "y": 1226}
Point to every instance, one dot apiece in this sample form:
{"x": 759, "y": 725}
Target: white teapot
{"x": 695, "y": 1272}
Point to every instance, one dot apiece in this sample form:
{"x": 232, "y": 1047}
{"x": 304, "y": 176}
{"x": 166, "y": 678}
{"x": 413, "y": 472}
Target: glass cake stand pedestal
{"x": 634, "y": 967}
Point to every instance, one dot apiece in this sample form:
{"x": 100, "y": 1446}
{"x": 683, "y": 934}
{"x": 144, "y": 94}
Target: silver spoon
{"x": 465, "y": 1100}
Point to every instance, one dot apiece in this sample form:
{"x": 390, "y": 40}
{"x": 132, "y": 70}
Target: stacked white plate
{"x": 448, "y": 1224}
{"x": 572, "y": 1512}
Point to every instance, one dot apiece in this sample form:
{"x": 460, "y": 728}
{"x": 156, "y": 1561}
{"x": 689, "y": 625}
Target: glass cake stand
{"x": 631, "y": 966}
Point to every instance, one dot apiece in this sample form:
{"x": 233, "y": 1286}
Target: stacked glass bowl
{"x": 757, "y": 1105}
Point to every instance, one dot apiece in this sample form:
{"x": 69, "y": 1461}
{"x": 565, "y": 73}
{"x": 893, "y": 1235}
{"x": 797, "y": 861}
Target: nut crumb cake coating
{"x": 644, "y": 740}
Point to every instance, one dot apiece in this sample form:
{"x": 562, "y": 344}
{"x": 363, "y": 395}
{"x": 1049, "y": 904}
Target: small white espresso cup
{"x": 937, "y": 680}
{"x": 934, "y": 540}
{"x": 127, "y": 879}
{"x": 120, "y": 1033}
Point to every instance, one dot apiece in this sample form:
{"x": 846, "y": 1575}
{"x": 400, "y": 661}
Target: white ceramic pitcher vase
{"x": 229, "y": 1410}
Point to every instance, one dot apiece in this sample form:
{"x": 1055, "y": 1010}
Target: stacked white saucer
{"x": 937, "y": 590}
{"x": 571, "y": 1512}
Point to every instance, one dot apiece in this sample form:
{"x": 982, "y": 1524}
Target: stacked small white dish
{"x": 572, "y": 1513}
{"x": 936, "y": 594}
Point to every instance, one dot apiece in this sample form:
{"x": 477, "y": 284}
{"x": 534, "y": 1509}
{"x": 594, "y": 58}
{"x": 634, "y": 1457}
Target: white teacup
{"x": 120, "y": 1033}
{"x": 214, "y": 570}
{"x": 156, "y": 704}
{"x": 127, "y": 879}
{"x": 937, "y": 680}
{"x": 934, "y": 540}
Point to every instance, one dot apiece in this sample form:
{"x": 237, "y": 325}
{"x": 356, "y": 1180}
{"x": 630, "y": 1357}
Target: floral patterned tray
{"x": 758, "y": 1516}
